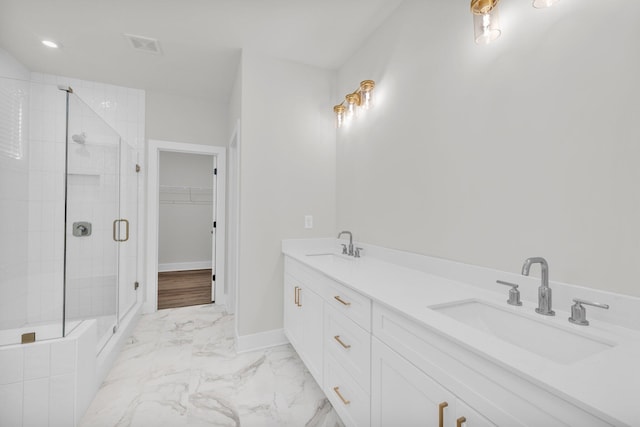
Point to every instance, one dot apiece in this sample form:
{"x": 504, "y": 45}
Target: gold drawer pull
{"x": 345, "y": 401}
{"x": 298, "y": 296}
{"x": 295, "y": 295}
{"x": 441, "y": 413}
{"x": 337, "y": 338}
{"x": 460, "y": 420}
{"x": 337, "y": 297}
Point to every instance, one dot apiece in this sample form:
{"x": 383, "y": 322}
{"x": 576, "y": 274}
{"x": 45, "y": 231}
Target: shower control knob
{"x": 81, "y": 229}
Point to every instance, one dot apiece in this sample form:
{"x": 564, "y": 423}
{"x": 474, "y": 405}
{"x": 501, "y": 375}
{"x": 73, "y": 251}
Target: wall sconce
{"x": 486, "y": 23}
{"x": 360, "y": 99}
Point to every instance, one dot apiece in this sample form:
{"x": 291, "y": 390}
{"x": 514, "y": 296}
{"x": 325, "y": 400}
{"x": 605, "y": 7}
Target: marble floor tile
{"x": 180, "y": 368}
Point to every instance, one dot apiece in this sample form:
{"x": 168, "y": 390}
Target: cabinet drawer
{"x": 349, "y": 400}
{"x": 349, "y": 303}
{"x": 349, "y": 344}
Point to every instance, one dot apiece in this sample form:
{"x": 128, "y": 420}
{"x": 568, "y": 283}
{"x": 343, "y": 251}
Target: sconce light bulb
{"x": 366, "y": 94}
{"x": 339, "y": 110}
{"x": 486, "y": 27}
{"x": 353, "y": 102}
{"x": 541, "y": 4}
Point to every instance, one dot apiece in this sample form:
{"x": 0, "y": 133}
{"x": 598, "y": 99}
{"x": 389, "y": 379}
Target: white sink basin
{"x": 333, "y": 258}
{"x": 554, "y": 343}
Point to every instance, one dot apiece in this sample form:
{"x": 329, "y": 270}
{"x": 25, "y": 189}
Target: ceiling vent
{"x": 144, "y": 44}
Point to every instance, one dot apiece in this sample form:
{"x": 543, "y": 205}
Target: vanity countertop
{"x": 606, "y": 383}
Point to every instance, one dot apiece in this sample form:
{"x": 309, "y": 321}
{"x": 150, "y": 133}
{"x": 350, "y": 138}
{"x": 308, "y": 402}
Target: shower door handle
{"x": 126, "y": 233}
{"x": 116, "y": 230}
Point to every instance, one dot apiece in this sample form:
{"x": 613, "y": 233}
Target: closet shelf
{"x": 185, "y": 195}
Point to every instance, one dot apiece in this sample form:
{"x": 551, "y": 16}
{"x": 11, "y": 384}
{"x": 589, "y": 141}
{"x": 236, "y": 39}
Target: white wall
{"x": 186, "y": 119}
{"x": 492, "y": 154}
{"x": 287, "y": 170}
{"x": 185, "y": 219}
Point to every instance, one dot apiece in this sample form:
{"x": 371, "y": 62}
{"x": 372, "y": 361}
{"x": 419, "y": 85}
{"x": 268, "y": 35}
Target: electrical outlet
{"x": 308, "y": 221}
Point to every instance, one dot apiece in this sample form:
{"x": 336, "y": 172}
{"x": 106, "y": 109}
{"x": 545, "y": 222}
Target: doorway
{"x": 174, "y": 200}
{"x": 186, "y": 229}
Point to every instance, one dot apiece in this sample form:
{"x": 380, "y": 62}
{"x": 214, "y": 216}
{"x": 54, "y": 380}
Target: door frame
{"x": 155, "y": 146}
{"x": 233, "y": 242}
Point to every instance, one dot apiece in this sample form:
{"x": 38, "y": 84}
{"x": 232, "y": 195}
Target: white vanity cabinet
{"x": 329, "y": 325}
{"x": 380, "y": 367}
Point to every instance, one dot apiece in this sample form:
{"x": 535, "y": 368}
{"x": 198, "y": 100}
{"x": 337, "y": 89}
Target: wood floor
{"x": 184, "y": 288}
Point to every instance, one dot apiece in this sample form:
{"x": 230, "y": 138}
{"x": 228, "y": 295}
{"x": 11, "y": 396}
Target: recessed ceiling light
{"x": 51, "y": 44}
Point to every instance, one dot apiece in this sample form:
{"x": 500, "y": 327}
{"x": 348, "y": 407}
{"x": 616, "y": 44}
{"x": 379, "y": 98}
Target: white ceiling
{"x": 200, "y": 39}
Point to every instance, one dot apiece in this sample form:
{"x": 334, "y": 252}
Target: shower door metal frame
{"x": 68, "y": 91}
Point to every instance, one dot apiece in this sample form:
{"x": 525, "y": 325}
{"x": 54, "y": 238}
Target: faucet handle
{"x": 514, "y": 293}
{"x": 579, "y": 313}
{"x": 344, "y": 249}
{"x": 356, "y": 254}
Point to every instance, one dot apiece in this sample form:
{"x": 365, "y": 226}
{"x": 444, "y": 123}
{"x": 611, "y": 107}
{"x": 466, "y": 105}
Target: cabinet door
{"x": 292, "y": 312}
{"x": 310, "y": 305}
{"x": 402, "y": 395}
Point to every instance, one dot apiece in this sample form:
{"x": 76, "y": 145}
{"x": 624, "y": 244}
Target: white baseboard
{"x": 182, "y": 266}
{"x": 245, "y": 343}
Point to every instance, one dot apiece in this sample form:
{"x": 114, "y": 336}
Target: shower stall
{"x": 69, "y": 187}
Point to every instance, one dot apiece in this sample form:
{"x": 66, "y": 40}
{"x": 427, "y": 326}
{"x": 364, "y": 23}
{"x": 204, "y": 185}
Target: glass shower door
{"x": 128, "y": 270}
{"x": 93, "y": 226}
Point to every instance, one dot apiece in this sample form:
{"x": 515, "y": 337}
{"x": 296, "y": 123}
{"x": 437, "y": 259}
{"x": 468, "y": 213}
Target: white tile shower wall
{"x": 92, "y": 281}
{"x": 48, "y": 382}
{"x": 11, "y": 404}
